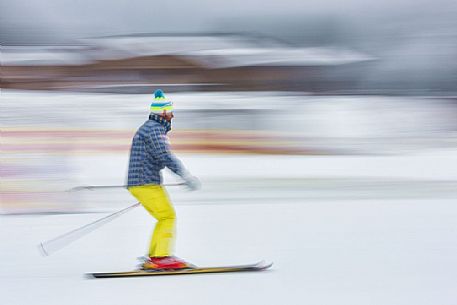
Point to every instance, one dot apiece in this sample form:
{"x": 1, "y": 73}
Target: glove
{"x": 192, "y": 183}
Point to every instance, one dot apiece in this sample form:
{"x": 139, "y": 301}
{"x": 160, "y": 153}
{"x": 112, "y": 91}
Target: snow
{"x": 395, "y": 249}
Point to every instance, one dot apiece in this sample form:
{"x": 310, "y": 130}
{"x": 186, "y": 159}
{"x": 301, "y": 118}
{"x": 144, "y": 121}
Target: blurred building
{"x": 206, "y": 62}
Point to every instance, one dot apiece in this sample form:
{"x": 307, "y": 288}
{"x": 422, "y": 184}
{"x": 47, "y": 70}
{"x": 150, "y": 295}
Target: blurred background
{"x": 315, "y": 78}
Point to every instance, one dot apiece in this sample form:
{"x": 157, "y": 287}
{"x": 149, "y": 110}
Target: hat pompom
{"x": 159, "y": 94}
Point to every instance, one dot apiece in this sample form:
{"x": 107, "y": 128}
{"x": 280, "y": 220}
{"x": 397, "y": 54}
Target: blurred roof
{"x": 43, "y": 56}
{"x": 277, "y": 57}
{"x": 209, "y": 50}
{"x": 224, "y": 50}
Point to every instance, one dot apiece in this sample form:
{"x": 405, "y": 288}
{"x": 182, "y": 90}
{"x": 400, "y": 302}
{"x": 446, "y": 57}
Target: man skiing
{"x": 149, "y": 154}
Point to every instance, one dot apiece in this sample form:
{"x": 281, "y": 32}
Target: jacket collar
{"x": 159, "y": 119}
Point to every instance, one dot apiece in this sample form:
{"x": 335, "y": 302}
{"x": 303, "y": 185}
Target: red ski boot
{"x": 166, "y": 263}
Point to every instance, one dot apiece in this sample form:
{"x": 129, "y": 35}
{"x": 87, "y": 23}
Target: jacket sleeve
{"x": 163, "y": 153}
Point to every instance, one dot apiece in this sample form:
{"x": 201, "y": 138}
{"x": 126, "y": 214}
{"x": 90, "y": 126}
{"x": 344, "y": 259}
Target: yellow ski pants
{"x": 155, "y": 200}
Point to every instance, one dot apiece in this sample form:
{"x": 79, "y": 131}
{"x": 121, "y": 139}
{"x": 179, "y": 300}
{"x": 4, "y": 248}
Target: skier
{"x": 149, "y": 154}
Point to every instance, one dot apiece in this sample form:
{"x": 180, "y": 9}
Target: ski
{"x": 198, "y": 270}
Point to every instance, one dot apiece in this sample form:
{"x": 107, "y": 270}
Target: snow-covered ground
{"x": 340, "y": 230}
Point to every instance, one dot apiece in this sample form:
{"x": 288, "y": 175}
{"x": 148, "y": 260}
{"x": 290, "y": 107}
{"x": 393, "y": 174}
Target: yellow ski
{"x": 198, "y": 270}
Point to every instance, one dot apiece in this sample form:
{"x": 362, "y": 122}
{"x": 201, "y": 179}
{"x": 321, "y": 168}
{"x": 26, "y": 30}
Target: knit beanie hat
{"x": 160, "y": 103}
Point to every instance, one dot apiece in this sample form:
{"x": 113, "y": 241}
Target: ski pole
{"x": 50, "y": 246}
{"x": 95, "y": 187}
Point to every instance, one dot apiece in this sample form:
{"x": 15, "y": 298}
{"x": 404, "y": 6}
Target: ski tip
{"x": 264, "y": 264}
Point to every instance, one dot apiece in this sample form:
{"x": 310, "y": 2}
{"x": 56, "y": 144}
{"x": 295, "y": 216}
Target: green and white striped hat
{"x": 160, "y": 103}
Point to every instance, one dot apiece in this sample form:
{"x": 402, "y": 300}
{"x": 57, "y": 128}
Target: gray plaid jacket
{"x": 150, "y": 153}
